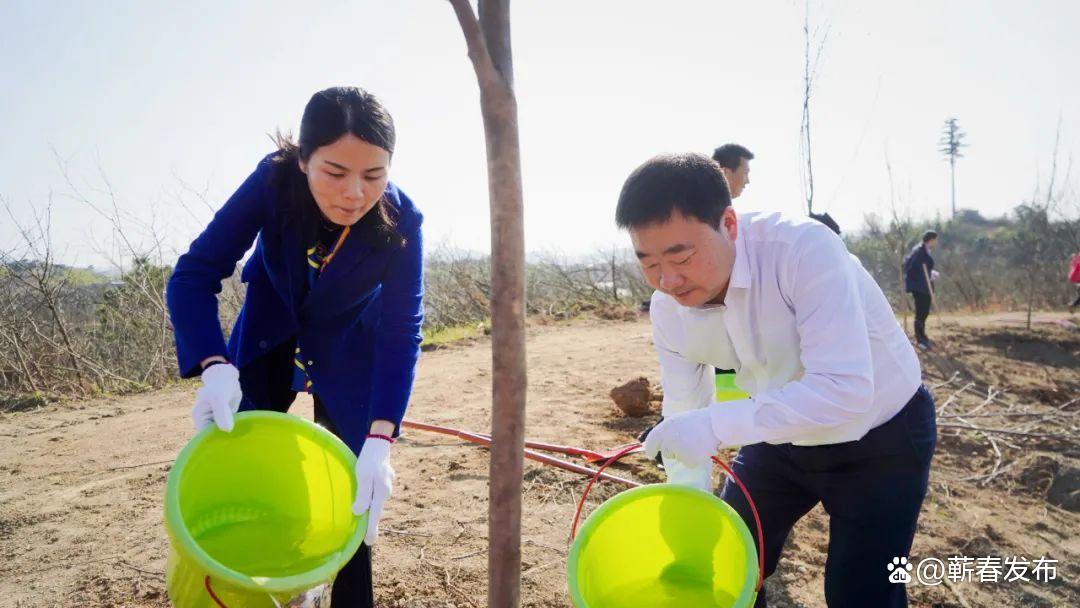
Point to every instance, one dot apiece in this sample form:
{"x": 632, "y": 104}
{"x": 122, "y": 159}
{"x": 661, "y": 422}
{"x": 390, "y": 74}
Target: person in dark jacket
{"x": 919, "y": 277}
{"x": 333, "y": 303}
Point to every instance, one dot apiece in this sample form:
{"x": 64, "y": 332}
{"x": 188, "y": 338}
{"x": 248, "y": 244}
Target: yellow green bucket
{"x": 666, "y": 546}
{"x": 726, "y": 389}
{"x": 259, "y": 515}
{"x": 663, "y": 546}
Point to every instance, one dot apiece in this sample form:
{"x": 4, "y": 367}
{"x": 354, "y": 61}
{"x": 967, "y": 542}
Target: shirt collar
{"x": 740, "y": 275}
{"x": 740, "y": 272}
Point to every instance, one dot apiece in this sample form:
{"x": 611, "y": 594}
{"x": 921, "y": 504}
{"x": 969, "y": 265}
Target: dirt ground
{"x": 81, "y": 484}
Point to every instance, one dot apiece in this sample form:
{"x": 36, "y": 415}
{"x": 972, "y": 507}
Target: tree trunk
{"x": 903, "y": 293}
{"x": 1031, "y": 295}
{"x": 614, "y": 280}
{"x": 488, "y": 41}
{"x": 952, "y": 182}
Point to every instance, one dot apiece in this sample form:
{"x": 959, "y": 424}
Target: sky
{"x": 163, "y": 108}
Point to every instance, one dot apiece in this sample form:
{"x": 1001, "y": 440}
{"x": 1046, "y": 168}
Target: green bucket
{"x": 663, "y": 546}
{"x": 726, "y": 389}
{"x": 258, "y": 516}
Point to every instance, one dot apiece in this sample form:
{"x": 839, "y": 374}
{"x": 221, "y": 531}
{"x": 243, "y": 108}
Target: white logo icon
{"x": 899, "y": 570}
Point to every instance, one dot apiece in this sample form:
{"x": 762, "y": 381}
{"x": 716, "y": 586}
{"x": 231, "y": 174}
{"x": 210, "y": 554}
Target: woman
{"x": 333, "y": 303}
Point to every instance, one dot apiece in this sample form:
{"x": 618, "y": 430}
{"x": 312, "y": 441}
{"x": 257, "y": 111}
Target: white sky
{"x": 155, "y": 90}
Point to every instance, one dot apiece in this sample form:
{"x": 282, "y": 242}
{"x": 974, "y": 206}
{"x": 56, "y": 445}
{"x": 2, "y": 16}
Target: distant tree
{"x": 1041, "y": 243}
{"x": 952, "y": 140}
{"x": 814, "y": 44}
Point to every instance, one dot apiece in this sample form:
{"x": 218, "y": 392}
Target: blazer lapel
{"x": 353, "y": 251}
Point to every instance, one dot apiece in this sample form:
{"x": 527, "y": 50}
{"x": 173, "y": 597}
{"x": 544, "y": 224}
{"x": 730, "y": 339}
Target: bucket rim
{"x": 748, "y": 593}
{"x": 179, "y": 533}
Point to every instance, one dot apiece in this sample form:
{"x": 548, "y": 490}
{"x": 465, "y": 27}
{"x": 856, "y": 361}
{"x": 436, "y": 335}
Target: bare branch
{"x": 485, "y": 70}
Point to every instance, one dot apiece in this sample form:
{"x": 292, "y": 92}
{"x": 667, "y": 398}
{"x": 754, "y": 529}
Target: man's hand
{"x": 218, "y": 398}
{"x": 374, "y": 482}
{"x": 686, "y": 437}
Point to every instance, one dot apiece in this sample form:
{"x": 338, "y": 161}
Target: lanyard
{"x": 333, "y": 252}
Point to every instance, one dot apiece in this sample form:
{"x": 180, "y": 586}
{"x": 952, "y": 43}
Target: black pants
{"x": 353, "y": 585}
{"x": 872, "y": 490}
{"x": 1076, "y": 302}
{"x": 922, "y": 311}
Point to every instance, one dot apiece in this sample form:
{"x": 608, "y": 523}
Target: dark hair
{"x": 329, "y": 115}
{"x": 928, "y": 236}
{"x": 729, "y": 155}
{"x": 691, "y": 183}
{"x": 826, "y": 219}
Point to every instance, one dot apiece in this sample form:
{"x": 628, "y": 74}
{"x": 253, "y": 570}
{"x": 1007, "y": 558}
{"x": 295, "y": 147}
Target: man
{"x": 837, "y": 412}
{"x": 919, "y": 278}
{"x": 734, "y": 161}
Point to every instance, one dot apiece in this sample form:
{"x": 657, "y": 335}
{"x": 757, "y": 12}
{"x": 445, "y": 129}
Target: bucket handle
{"x": 753, "y": 507}
{"x": 757, "y": 520}
{"x": 217, "y": 600}
{"x": 210, "y": 590}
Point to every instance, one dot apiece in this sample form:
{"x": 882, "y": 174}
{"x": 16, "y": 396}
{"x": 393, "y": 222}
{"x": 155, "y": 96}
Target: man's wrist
{"x": 732, "y": 422}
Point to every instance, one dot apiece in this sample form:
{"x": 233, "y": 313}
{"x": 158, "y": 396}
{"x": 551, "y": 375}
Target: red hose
{"x": 481, "y": 439}
{"x": 589, "y": 455}
{"x": 757, "y": 521}
{"x": 753, "y": 508}
{"x": 581, "y": 503}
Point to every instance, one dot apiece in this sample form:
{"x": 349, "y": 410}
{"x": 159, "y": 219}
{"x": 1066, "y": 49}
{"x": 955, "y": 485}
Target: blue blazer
{"x": 358, "y": 326}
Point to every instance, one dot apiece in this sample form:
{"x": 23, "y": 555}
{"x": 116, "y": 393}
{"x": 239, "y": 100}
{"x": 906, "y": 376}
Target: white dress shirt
{"x": 809, "y": 333}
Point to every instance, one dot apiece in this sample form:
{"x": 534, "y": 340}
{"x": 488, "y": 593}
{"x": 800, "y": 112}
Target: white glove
{"x": 693, "y": 477}
{"x": 686, "y": 437}
{"x": 374, "y": 478}
{"x": 218, "y": 398}
{"x": 934, "y": 275}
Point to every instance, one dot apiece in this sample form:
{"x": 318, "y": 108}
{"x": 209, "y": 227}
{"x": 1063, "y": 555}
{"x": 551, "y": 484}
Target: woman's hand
{"x": 374, "y": 477}
{"x": 218, "y": 398}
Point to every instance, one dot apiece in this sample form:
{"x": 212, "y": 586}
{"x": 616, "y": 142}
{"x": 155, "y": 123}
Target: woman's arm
{"x": 397, "y": 337}
{"x": 212, "y": 257}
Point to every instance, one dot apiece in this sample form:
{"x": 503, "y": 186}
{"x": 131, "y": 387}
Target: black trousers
{"x": 922, "y": 311}
{"x": 353, "y": 585}
{"x": 872, "y": 490}
{"x": 1076, "y": 302}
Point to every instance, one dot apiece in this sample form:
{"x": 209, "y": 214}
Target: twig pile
{"x": 1008, "y": 426}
